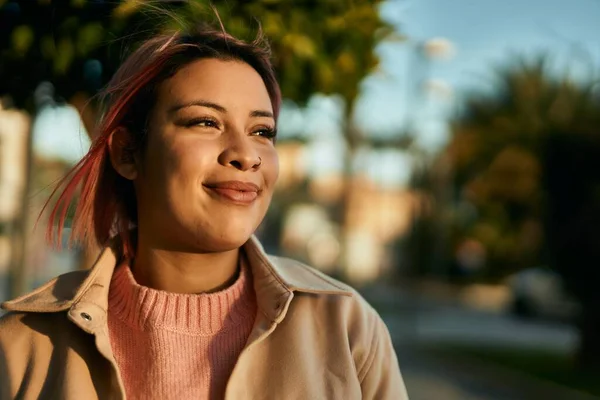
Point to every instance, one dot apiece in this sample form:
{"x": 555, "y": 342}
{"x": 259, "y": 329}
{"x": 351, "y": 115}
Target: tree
{"x": 318, "y": 46}
{"x": 524, "y": 161}
{"x": 572, "y": 221}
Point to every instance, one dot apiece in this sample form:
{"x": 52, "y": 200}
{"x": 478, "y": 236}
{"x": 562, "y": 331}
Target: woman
{"x": 183, "y": 302}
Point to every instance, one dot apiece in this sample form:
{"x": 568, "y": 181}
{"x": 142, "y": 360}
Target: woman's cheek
{"x": 193, "y": 157}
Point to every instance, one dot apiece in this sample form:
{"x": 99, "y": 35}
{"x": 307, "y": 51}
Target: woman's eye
{"x": 203, "y": 122}
{"x": 267, "y": 132}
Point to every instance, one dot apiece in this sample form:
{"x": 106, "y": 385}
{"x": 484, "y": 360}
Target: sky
{"x": 483, "y": 33}
{"x": 58, "y": 132}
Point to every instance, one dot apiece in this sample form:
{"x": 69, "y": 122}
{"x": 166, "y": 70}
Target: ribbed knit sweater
{"x": 178, "y": 346}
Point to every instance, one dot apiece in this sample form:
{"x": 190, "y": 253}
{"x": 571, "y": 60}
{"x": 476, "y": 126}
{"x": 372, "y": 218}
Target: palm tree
{"x": 525, "y": 161}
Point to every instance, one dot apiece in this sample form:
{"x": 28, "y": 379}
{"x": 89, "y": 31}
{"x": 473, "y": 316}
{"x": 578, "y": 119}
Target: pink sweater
{"x": 178, "y": 346}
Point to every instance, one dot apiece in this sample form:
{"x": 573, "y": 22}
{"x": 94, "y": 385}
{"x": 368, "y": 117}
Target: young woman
{"x": 183, "y": 302}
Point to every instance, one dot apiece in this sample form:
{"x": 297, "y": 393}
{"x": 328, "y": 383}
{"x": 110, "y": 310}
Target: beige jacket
{"x": 314, "y": 338}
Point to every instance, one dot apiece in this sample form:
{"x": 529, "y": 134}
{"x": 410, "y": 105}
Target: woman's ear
{"x": 122, "y": 153}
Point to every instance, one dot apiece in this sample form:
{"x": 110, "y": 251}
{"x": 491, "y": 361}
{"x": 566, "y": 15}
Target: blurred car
{"x": 539, "y": 293}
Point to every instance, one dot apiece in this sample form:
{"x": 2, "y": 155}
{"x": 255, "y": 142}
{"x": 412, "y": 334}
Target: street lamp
{"x": 439, "y": 49}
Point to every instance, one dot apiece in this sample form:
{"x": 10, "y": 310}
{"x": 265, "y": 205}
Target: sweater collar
{"x": 275, "y": 280}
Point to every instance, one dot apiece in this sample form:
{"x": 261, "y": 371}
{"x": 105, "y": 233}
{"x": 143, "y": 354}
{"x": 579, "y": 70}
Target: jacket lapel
{"x": 64, "y": 291}
{"x": 275, "y": 279}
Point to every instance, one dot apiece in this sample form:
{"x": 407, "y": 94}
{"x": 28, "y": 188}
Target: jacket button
{"x": 86, "y": 316}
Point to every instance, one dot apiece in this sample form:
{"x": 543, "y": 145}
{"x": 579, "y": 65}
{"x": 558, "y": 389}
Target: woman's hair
{"x": 107, "y": 203}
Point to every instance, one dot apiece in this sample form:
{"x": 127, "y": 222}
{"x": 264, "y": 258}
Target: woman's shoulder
{"x": 323, "y": 293}
{"x": 55, "y": 295}
{"x": 326, "y": 308}
{"x": 35, "y": 347}
{"x": 25, "y": 334}
{"x": 17, "y": 325}
{"x": 12, "y": 324}
{"x": 40, "y": 311}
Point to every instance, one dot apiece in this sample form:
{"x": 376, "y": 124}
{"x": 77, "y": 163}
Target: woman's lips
{"x": 238, "y": 192}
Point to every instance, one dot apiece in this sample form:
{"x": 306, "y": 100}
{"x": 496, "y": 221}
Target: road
{"x": 415, "y": 322}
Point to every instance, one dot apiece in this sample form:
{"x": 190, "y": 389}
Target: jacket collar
{"x": 275, "y": 280}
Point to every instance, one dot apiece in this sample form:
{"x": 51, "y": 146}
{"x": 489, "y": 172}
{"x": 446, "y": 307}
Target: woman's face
{"x": 206, "y": 177}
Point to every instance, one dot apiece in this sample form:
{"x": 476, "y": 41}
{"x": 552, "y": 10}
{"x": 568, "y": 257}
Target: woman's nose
{"x": 240, "y": 153}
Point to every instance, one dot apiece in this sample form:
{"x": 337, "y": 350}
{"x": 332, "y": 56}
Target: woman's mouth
{"x": 237, "y": 192}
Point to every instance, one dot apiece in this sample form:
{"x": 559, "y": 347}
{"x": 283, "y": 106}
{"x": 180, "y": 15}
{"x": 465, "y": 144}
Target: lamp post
{"x": 424, "y": 53}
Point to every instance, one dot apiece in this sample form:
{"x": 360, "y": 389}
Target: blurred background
{"x": 441, "y": 156}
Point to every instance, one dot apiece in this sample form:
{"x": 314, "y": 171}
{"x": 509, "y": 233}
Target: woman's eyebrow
{"x": 217, "y": 107}
{"x": 198, "y": 103}
{"x": 261, "y": 113}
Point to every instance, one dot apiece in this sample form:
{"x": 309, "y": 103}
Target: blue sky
{"x": 483, "y": 32}
{"x": 58, "y": 132}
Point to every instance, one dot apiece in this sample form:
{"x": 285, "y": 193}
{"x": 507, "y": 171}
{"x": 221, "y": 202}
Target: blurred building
{"x": 376, "y": 218}
{"x": 14, "y": 135}
{"x": 292, "y": 164}
{"x": 362, "y": 247}
{"x": 14, "y": 132}
{"x": 25, "y": 258}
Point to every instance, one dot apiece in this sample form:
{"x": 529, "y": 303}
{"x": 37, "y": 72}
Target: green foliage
{"x": 499, "y": 158}
{"x": 318, "y": 46}
{"x": 54, "y": 41}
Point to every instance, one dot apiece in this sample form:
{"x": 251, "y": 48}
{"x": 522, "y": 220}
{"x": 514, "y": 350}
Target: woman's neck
{"x": 179, "y": 272}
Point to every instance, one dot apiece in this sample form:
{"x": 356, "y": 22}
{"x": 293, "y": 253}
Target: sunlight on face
{"x": 210, "y": 166}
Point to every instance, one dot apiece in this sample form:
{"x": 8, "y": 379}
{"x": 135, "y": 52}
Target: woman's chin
{"x": 225, "y": 240}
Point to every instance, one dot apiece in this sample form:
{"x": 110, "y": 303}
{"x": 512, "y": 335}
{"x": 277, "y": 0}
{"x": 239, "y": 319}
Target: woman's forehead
{"x": 223, "y": 82}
